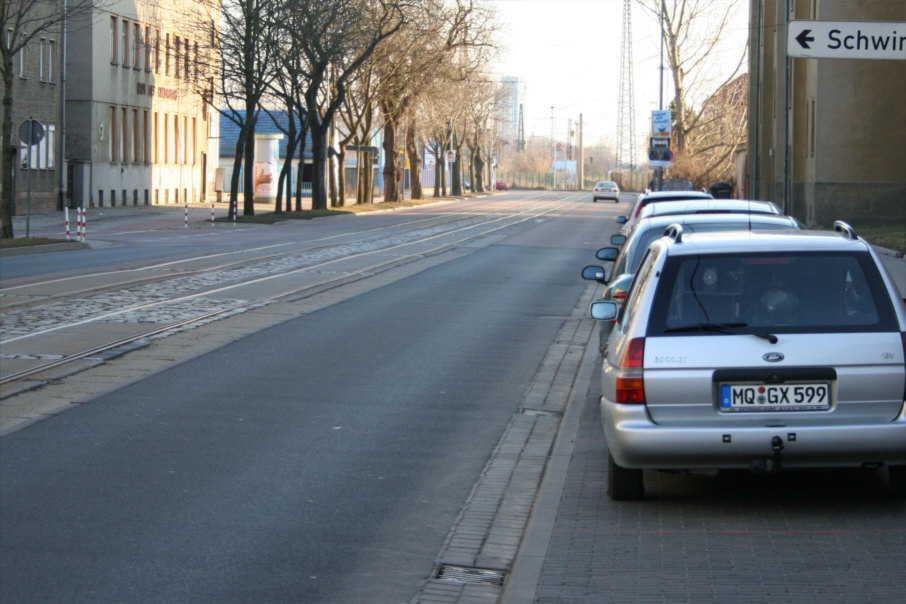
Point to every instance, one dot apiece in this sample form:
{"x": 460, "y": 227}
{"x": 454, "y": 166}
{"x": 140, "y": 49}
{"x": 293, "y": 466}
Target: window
{"x": 125, "y": 53}
{"x": 136, "y": 46}
{"x": 136, "y": 137}
{"x": 186, "y": 71}
{"x": 42, "y": 154}
{"x": 157, "y": 51}
{"x": 23, "y": 57}
{"x": 111, "y": 138}
{"x": 146, "y": 137}
{"x": 177, "y": 148}
{"x": 50, "y": 137}
{"x": 124, "y": 131}
{"x": 114, "y": 40}
{"x": 167, "y": 55}
{"x": 166, "y": 153}
{"x": 156, "y": 139}
{"x": 148, "y": 43}
{"x": 195, "y": 59}
{"x": 46, "y": 49}
{"x": 176, "y": 55}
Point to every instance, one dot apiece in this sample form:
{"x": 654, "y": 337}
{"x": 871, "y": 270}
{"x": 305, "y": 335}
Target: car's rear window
{"x": 777, "y": 292}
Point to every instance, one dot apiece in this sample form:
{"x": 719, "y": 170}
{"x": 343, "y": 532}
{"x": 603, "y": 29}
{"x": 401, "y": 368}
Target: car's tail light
{"x": 631, "y": 381}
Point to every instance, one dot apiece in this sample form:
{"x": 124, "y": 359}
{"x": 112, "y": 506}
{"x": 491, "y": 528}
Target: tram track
{"x": 386, "y": 253}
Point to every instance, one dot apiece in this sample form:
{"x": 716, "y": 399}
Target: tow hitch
{"x": 766, "y": 466}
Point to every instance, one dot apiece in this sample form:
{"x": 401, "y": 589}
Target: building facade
{"x": 513, "y": 96}
{"x": 825, "y": 135}
{"x": 140, "y": 125}
{"x": 37, "y": 94}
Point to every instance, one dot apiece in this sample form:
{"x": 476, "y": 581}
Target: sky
{"x": 567, "y": 54}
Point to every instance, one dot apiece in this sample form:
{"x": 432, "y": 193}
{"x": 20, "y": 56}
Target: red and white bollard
{"x": 66, "y": 216}
{"x": 212, "y": 213}
{"x": 187, "y": 213}
{"x": 83, "y": 224}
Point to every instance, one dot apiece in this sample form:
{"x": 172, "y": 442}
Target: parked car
{"x": 657, "y": 196}
{"x": 606, "y": 189}
{"x": 762, "y": 352}
{"x": 501, "y": 185}
{"x": 708, "y": 206}
{"x": 627, "y": 257}
{"x": 676, "y": 184}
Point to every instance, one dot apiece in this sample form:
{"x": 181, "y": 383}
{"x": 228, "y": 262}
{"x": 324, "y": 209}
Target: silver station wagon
{"x": 755, "y": 350}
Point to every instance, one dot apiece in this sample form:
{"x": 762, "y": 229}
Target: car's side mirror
{"x": 607, "y": 254}
{"x": 622, "y": 220}
{"x": 617, "y": 239}
{"x": 594, "y": 273}
{"x": 604, "y": 310}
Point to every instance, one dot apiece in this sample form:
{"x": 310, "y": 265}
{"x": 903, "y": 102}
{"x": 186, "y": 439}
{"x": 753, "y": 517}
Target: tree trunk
{"x": 237, "y": 168}
{"x": 369, "y": 178}
{"x": 286, "y": 171}
{"x": 456, "y": 175}
{"x": 391, "y": 192}
{"x": 438, "y": 169}
{"x": 341, "y": 177}
{"x": 319, "y": 164}
{"x": 415, "y": 162}
{"x": 7, "y": 160}
{"x": 248, "y": 205}
{"x": 300, "y": 173}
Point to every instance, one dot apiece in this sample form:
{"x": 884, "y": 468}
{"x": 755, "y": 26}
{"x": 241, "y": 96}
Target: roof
{"x": 730, "y": 218}
{"x": 229, "y": 132}
{"x": 694, "y": 206}
{"x": 765, "y": 241}
{"x": 671, "y": 195}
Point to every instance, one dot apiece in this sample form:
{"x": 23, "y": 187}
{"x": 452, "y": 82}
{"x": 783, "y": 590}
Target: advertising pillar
{"x": 266, "y": 166}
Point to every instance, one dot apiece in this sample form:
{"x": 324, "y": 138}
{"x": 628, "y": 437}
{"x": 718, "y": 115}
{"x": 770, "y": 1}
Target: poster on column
{"x": 264, "y": 179}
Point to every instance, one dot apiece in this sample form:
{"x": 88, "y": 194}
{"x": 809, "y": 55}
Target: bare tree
{"x": 336, "y": 37}
{"x": 246, "y": 45}
{"x": 711, "y": 148}
{"x": 21, "y": 22}
{"x": 693, "y": 30}
{"x": 444, "y": 40}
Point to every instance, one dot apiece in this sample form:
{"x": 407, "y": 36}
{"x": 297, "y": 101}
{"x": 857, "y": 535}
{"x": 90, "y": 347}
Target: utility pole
{"x": 581, "y": 154}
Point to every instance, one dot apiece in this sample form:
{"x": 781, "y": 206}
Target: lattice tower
{"x": 626, "y": 144}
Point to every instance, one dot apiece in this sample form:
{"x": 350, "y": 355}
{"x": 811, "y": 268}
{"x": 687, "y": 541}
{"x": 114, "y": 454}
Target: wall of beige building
{"x": 138, "y": 129}
{"x": 846, "y": 120}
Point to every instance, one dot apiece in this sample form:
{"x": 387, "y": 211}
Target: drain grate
{"x": 466, "y": 574}
{"x": 539, "y": 413}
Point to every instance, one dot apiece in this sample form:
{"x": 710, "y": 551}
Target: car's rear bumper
{"x": 637, "y": 442}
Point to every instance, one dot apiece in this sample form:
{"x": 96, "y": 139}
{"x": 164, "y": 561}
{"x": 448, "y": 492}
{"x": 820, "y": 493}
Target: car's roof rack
{"x": 845, "y": 228}
{"x": 675, "y": 232}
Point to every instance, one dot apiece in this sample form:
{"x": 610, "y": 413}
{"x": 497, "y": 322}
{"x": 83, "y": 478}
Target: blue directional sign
{"x": 846, "y": 40}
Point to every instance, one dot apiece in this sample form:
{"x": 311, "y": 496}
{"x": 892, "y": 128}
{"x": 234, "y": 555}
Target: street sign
{"x": 31, "y": 132}
{"x": 846, "y": 40}
{"x": 659, "y": 153}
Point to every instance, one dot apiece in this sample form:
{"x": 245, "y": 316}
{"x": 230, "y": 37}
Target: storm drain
{"x": 539, "y": 413}
{"x": 467, "y": 574}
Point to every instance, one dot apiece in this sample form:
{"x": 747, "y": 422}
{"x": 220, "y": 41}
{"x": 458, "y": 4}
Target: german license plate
{"x": 774, "y": 397}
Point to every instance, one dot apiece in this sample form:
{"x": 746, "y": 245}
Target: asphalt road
{"x": 321, "y": 460}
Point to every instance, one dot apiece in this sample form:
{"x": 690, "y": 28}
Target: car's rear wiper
{"x": 726, "y": 328}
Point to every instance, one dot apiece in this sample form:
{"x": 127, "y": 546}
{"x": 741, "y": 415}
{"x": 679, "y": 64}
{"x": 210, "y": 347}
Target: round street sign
{"x": 31, "y": 132}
